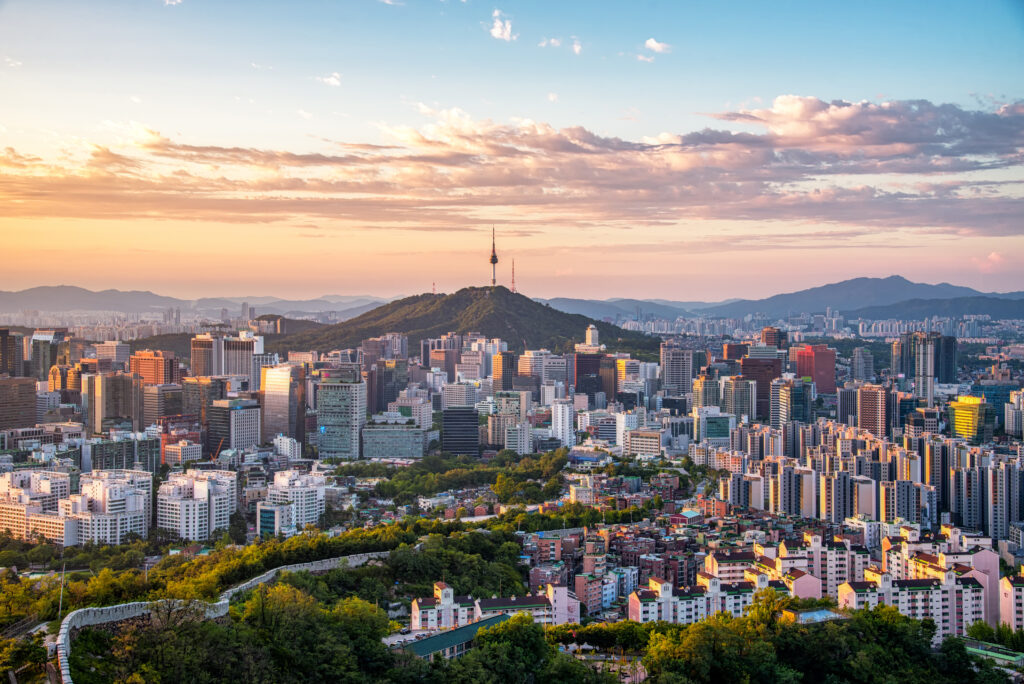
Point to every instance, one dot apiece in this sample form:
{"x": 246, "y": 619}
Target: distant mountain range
{"x": 858, "y": 296}
{"x": 70, "y": 298}
{"x": 865, "y": 297}
{"x": 493, "y": 312}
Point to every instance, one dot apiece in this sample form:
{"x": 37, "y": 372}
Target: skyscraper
{"x": 17, "y": 402}
{"x": 283, "y": 392}
{"x": 234, "y": 424}
{"x": 762, "y": 371}
{"x": 773, "y": 337}
{"x": 341, "y": 412}
{"x": 676, "y": 369}
{"x": 11, "y": 354}
{"x": 207, "y": 355}
{"x": 924, "y": 368}
{"x": 49, "y": 347}
{"x": 154, "y": 367}
{"x": 563, "y": 422}
{"x": 817, "y": 362}
{"x": 460, "y": 430}
{"x": 872, "y": 403}
{"x": 862, "y": 365}
{"x": 504, "y": 371}
{"x": 238, "y": 355}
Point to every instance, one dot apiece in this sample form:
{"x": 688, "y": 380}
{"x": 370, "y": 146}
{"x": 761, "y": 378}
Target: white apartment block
{"x": 953, "y": 603}
{"x": 197, "y": 503}
{"x": 556, "y": 605}
{"x": 111, "y": 505}
{"x": 183, "y": 452}
{"x": 305, "y": 492}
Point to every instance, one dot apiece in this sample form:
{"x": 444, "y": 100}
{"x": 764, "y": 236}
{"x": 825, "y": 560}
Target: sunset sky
{"x": 675, "y": 150}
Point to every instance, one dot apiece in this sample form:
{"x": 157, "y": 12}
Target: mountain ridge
{"x": 492, "y": 312}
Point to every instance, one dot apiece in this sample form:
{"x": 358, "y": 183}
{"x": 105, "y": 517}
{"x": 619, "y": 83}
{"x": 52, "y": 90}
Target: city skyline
{"x": 159, "y": 145}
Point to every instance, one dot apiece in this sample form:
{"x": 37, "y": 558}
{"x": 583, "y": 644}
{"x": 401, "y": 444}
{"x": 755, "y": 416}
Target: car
{"x": 404, "y": 630}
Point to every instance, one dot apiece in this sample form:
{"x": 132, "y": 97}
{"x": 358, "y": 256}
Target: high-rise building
{"x": 563, "y": 422}
{"x": 12, "y": 354}
{"x": 862, "y": 365}
{"x": 49, "y": 347}
{"x": 971, "y": 418}
{"x": 207, "y": 355}
{"x": 773, "y": 337}
{"x": 115, "y": 352}
{"x": 734, "y": 351}
{"x": 17, "y": 402}
{"x": 791, "y": 401}
{"x": 234, "y": 424}
{"x": 445, "y": 360}
{"x": 587, "y": 374}
{"x": 739, "y": 397}
{"x": 112, "y": 400}
{"x": 592, "y": 336}
{"x": 283, "y": 398}
{"x": 924, "y": 368}
{"x": 341, "y": 412}
{"x": 504, "y": 371}
{"x": 460, "y": 432}
{"x": 817, "y": 362}
{"x": 762, "y": 371}
{"x": 199, "y": 393}
{"x": 197, "y": 503}
{"x": 676, "y": 369}
{"x": 872, "y": 404}
{"x": 154, "y": 367}
{"x": 391, "y": 376}
{"x": 238, "y": 355}
{"x": 159, "y": 401}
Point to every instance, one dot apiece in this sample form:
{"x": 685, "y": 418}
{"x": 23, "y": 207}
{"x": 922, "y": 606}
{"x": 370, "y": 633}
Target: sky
{"x": 678, "y": 150}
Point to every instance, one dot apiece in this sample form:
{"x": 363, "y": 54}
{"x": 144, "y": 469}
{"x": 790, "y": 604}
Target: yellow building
{"x": 971, "y": 418}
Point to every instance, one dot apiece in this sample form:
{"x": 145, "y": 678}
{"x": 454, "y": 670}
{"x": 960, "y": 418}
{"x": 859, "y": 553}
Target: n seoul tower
{"x": 494, "y": 261}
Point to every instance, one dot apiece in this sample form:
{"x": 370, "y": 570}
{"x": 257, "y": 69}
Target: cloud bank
{"x": 862, "y": 167}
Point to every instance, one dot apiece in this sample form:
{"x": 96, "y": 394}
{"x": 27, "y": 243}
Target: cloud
{"x": 171, "y": 3}
{"x": 332, "y": 79}
{"x": 989, "y": 264}
{"x": 552, "y": 97}
{"x": 304, "y": 114}
{"x": 552, "y": 42}
{"x": 645, "y": 58}
{"x": 502, "y": 28}
{"x": 11, "y": 62}
{"x": 261, "y": 67}
{"x": 655, "y": 46}
{"x": 577, "y": 48}
{"x": 851, "y": 171}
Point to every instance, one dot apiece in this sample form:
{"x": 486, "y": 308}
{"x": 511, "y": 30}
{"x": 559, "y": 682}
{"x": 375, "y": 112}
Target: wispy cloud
{"x": 550, "y": 42}
{"x": 552, "y": 97}
{"x": 332, "y": 79}
{"x": 171, "y": 3}
{"x": 655, "y": 46}
{"x": 304, "y": 114}
{"x": 261, "y": 67}
{"x": 577, "y": 47}
{"x": 502, "y": 27}
{"x": 645, "y": 58}
{"x": 11, "y": 62}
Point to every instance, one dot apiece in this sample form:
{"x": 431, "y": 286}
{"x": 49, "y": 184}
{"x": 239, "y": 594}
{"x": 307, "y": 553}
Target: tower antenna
{"x": 494, "y": 260}
{"x": 513, "y": 276}
{"x": 433, "y": 287}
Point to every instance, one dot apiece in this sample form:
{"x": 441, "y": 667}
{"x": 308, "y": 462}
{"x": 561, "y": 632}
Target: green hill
{"x": 493, "y": 312}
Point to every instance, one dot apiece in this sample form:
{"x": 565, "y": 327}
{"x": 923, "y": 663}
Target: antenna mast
{"x": 494, "y": 260}
{"x": 513, "y": 276}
